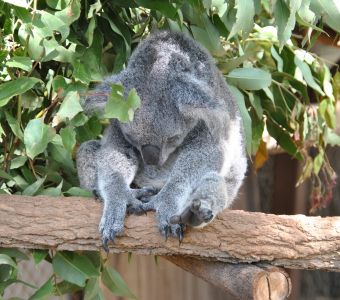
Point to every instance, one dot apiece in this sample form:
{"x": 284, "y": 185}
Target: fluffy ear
{"x": 196, "y": 100}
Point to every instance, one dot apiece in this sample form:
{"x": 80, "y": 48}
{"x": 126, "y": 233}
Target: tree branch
{"x": 244, "y": 281}
{"x": 235, "y": 236}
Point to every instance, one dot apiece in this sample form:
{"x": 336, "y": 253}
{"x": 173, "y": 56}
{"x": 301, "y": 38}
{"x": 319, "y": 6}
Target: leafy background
{"x": 52, "y": 51}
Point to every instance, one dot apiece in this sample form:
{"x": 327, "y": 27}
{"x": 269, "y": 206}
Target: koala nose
{"x": 150, "y": 154}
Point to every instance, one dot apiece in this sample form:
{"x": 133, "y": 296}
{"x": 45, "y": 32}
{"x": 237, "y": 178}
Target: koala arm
{"x": 117, "y": 164}
{"x": 203, "y": 181}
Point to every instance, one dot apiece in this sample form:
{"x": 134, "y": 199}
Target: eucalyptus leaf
{"x": 244, "y": 18}
{"x": 247, "y": 123}
{"x": 115, "y": 283}
{"x": 21, "y": 62}
{"x": 39, "y": 255}
{"x": 73, "y": 267}
{"x": 16, "y": 87}
{"x": 13, "y": 252}
{"x": 70, "y": 107}
{"x": 32, "y": 189}
{"x": 250, "y": 78}
{"x": 37, "y": 135}
{"x": 44, "y": 292}
{"x": 120, "y": 108}
{"x": 6, "y": 260}
{"x": 307, "y": 75}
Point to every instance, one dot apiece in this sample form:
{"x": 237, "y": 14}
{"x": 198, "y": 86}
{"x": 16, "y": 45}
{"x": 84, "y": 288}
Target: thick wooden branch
{"x": 235, "y": 236}
{"x": 244, "y": 281}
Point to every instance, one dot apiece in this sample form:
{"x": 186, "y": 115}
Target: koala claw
{"x": 176, "y": 230}
{"x": 109, "y": 228}
{"x": 96, "y": 196}
{"x": 180, "y": 233}
{"x": 105, "y": 242}
{"x": 167, "y": 231}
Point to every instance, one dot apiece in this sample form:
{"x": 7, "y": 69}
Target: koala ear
{"x": 196, "y": 100}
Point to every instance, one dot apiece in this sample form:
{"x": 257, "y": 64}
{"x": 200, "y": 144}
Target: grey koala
{"x": 183, "y": 153}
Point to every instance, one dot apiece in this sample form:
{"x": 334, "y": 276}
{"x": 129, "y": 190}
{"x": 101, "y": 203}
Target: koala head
{"x": 156, "y": 132}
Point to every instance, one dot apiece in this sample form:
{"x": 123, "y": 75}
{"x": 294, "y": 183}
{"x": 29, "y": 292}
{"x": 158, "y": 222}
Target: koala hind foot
{"x": 140, "y": 196}
{"x": 195, "y": 214}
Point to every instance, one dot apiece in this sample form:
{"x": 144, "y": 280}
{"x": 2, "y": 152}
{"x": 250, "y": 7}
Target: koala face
{"x": 156, "y": 134}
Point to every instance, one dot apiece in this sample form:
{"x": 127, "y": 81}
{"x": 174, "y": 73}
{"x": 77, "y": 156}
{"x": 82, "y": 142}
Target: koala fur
{"x": 183, "y": 152}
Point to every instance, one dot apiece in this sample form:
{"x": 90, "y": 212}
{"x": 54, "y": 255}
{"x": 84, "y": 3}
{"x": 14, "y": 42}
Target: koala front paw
{"x": 196, "y": 214}
{"x": 166, "y": 228}
{"x": 110, "y": 226}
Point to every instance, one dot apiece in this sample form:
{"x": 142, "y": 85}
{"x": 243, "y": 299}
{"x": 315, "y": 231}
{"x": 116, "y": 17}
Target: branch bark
{"x": 244, "y": 281}
{"x": 235, "y": 236}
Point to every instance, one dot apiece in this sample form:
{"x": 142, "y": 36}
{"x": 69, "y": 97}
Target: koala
{"x": 183, "y": 154}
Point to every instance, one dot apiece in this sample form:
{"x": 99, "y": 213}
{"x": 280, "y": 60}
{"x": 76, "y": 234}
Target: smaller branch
{"x": 244, "y": 281}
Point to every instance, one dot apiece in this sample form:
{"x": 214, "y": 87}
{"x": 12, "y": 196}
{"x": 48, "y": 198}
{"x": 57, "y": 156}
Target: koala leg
{"x": 166, "y": 206}
{"x": 116, "y": 170}
{"x": 87, "y": 167}
{"x": 204, "y": 203}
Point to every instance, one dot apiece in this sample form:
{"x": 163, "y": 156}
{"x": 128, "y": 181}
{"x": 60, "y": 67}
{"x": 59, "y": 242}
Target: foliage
{"x": 51, "y": 51}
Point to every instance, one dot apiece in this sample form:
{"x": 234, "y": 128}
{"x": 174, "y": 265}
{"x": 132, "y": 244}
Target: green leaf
{"x": 329, "y": 10}
{"x": 305, "y": 13}
{"x": 244, "y": 18}
{"x": 69, "y": 108}
{"x": 166, "y": 8}
{"x": 21, "y": 62}
{"x": 115, "y": 283}
{"x": 256, "y": 104}
{"x": 332, "y": 138}
{"x": 73, "y": 267}
{"x": 92, "y": 290}
{"x": 285, "y": 18}
{"x": 60, "y": 154}
{"x": 44, "y": 292}
{"x": 307, "y": 75}
{"x": 328, "y": 113}
{"x": 278, "y": 59}
{"x": 13, "y": 252}
{"x": 65, "y": 287}
{"x": 247, "y": 123}
{"x": 119, "y": 108}
{"x": 18, "y": 162}
{"x": 318, "y": 161}
{"x": 52, "y": 191}
{"x": 208, "y": 36}
{"x": 14, "y": 124}
{"x": 257, "y": 128}
{"x": 32, "y": 189}
{"x": 58, "y": 4}
{"x": 39, "y": 255}
{"x": 283, "y": 139}
{"x": 79, "y": 192}
{"x": 37, "y": 135}
{"x": 46, "y": 25}
{"x": 5, "y": 175}
{"x": 6, "y": 260}
{"x": 70, "y": 13}
{"x": 68, "y": 136}
{"x": 250, "y": 78}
